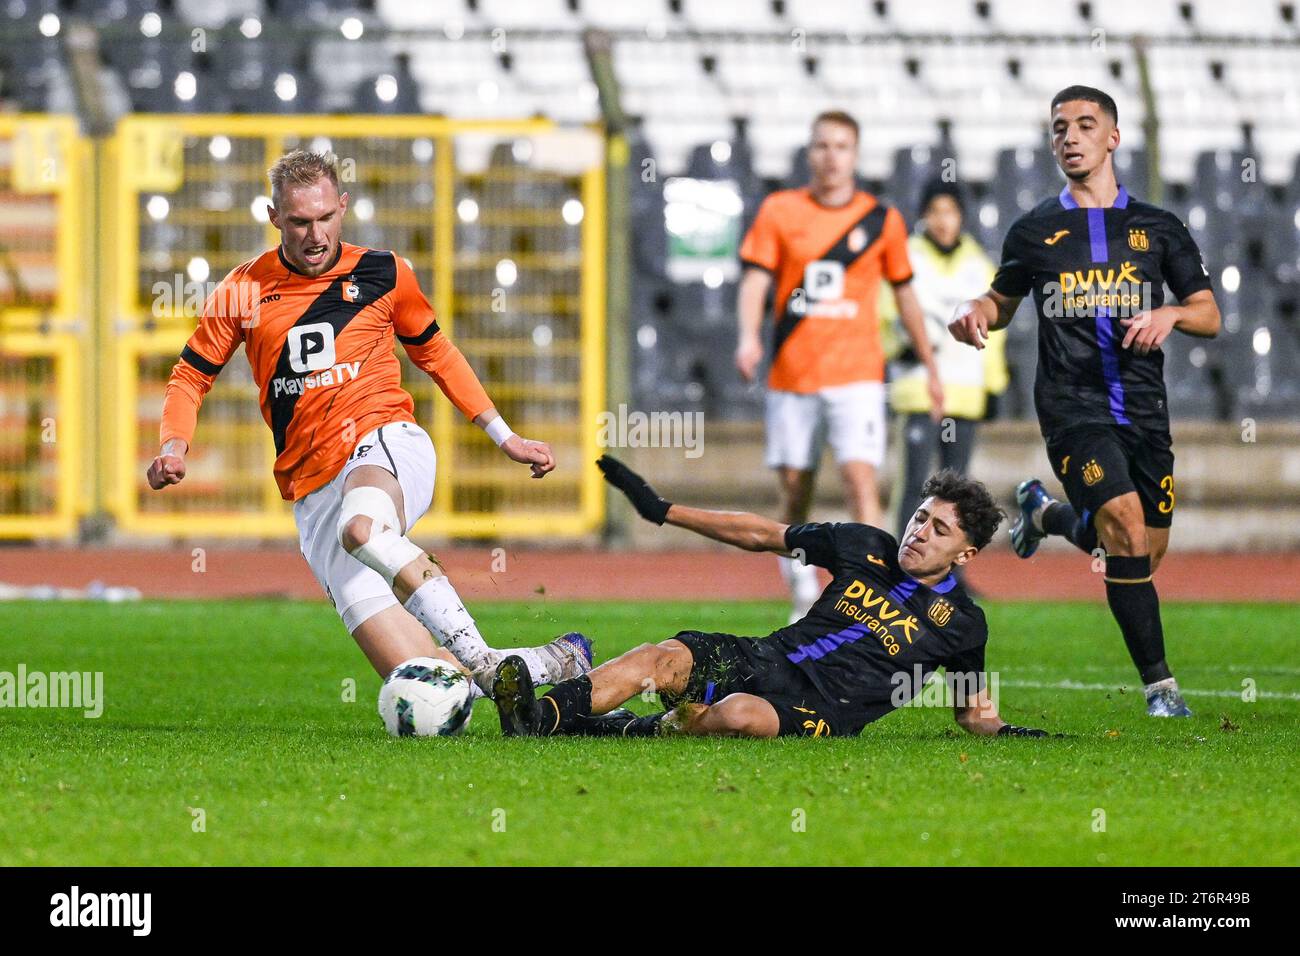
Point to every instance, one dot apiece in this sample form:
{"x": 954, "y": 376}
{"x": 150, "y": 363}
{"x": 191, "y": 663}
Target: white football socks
{"x": 804, "y": 586}
{"x": 437, "y": 606}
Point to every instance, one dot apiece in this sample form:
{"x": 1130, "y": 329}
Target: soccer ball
{"x": 424, "y": 697}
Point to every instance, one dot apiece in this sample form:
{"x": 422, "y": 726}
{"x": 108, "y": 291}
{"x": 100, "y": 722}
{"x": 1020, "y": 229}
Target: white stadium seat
{"x": 1153, "y": 18}
{"x": 922, "y": 17}
{"x": 1241, "y": 18}
{"x": 624, "y": 16}
{"x": 732, "y": 16}
{"x": 402, "y": 14}
{"x": 529, "y": 15}
{"x": 843, "y": 18}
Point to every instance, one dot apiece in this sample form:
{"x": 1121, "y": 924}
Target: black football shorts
{"x": 726, "y": 664}
{"x": 1096, "y": 463}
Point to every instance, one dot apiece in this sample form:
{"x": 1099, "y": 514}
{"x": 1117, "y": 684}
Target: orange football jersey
{"x": 322, "y": 353}
{"x": 827, "y": 263}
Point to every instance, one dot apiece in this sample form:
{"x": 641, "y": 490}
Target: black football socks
{"x": 1060, "y": 518}
{"x": 563, "y": 706}
{"x": 1133, "y": 600}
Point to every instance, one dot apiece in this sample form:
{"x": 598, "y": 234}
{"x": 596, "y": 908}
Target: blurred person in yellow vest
{"x": 949, "y": 267}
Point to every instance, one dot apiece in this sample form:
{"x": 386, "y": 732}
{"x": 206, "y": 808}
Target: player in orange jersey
{"x": 826, "y": 246}
{"x": 317, "y": 318}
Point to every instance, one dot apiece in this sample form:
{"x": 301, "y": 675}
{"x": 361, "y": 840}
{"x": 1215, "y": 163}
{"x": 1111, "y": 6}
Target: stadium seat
{"x": 394, "y": 93}
{"x": 858, "y": 69}
{"x": 324, "y": 12}
{"x": 914, "y": 166}
{"x": 452, "y": 16}
{"x": 549, "y": 63}
{"x": 1253, "y": 18}
{"x": 1042, "y": 18}
{"x": 625, "y": 16}
{"x": 1159, "y": 18}
{"x": 920, "y": 17}
{"x": 853, "y": 19}
{"x": 732, "y": 16}
{"x": 216, "y": 13}
{"x": 1131, "y": 170}
{"x": 671, "y": 63}
{"x": 528, "y": 15}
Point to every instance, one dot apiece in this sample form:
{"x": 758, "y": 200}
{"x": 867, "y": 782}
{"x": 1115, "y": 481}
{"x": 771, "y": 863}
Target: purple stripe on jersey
{"x": 1105, "y": 330}
{"x": 824, "y": 645}
{"x": 709, "y": 688}
{"x": 946, "y": 585}
{"x": 1097, "y": 234}
{"x": 903, "y": 590}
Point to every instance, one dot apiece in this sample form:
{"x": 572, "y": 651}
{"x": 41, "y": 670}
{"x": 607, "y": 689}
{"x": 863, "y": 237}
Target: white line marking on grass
{"x": 1075, "y": 685}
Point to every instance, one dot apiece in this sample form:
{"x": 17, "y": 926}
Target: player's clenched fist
{"x": 536, "y": 454}
{"x": 167, "y": 469}
{"x": 969, "y": 324}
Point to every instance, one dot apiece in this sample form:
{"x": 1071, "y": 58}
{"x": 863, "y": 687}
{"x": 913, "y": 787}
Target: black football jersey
{"x": 876, "y": 633}
{"x": 1088, "y": 269}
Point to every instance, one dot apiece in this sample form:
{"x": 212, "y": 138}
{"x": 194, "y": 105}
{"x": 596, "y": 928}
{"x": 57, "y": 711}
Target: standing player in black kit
{"x": 1096, "y": 261}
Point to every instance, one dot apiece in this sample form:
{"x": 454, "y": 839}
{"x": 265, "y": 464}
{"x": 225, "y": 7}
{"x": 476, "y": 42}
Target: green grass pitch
{"x": 238, "y": 710}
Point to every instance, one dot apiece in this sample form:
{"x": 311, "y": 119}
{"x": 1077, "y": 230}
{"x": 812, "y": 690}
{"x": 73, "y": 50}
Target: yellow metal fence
{"x": 503, "y": 223}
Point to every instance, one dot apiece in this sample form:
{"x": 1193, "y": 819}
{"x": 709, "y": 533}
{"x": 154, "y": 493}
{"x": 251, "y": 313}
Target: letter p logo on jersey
{"x": 311, "y": 347}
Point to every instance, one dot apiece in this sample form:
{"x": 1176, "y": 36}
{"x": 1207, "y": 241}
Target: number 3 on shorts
{"x": 1167, "y": 483}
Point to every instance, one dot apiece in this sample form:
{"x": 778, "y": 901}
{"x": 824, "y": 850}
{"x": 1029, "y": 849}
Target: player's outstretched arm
{"x": 979, "y": 715}
{"x": 740, "y": 528}
{"x": 974, "y": 320}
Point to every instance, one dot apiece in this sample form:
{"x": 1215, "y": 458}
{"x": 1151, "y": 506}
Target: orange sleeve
{"x": 449, "y": 368}
{"x": 219, "y": 334}
{"x": 762, "y": 244}
{"x": 417, "y": 329}
{"x": 897, "y": 265}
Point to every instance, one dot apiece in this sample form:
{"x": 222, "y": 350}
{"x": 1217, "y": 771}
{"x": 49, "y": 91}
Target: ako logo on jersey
{"x": 1137, "y": 240}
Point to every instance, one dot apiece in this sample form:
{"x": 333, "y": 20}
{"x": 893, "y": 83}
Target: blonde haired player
{"x": 317, "y": 318}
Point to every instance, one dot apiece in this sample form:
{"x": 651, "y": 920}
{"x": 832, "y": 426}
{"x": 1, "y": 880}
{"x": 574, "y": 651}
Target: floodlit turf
{"x": 238, "y": 710}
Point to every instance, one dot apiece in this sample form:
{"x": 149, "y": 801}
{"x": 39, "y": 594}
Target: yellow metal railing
{"x": 44, "y": 327}
{"x": 504, "y": 225}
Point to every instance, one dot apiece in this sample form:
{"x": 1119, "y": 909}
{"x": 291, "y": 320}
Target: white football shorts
{"x": 851, "y": 417}
{"x": 358, "y": 592}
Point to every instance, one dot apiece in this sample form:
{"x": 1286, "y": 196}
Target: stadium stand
{"x": 721, "y": 92}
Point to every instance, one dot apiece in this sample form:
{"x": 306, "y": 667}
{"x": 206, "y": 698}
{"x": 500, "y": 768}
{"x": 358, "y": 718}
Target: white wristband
{"x": 498, "y": 430}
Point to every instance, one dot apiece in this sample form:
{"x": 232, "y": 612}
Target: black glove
{"x": 647, "y": 504}
{"x": 1007, "y": 730}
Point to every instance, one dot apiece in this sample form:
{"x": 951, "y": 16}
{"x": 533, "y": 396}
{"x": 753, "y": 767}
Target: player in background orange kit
{"x": 317, "y": 318}
{"x": 826, "y": 247}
